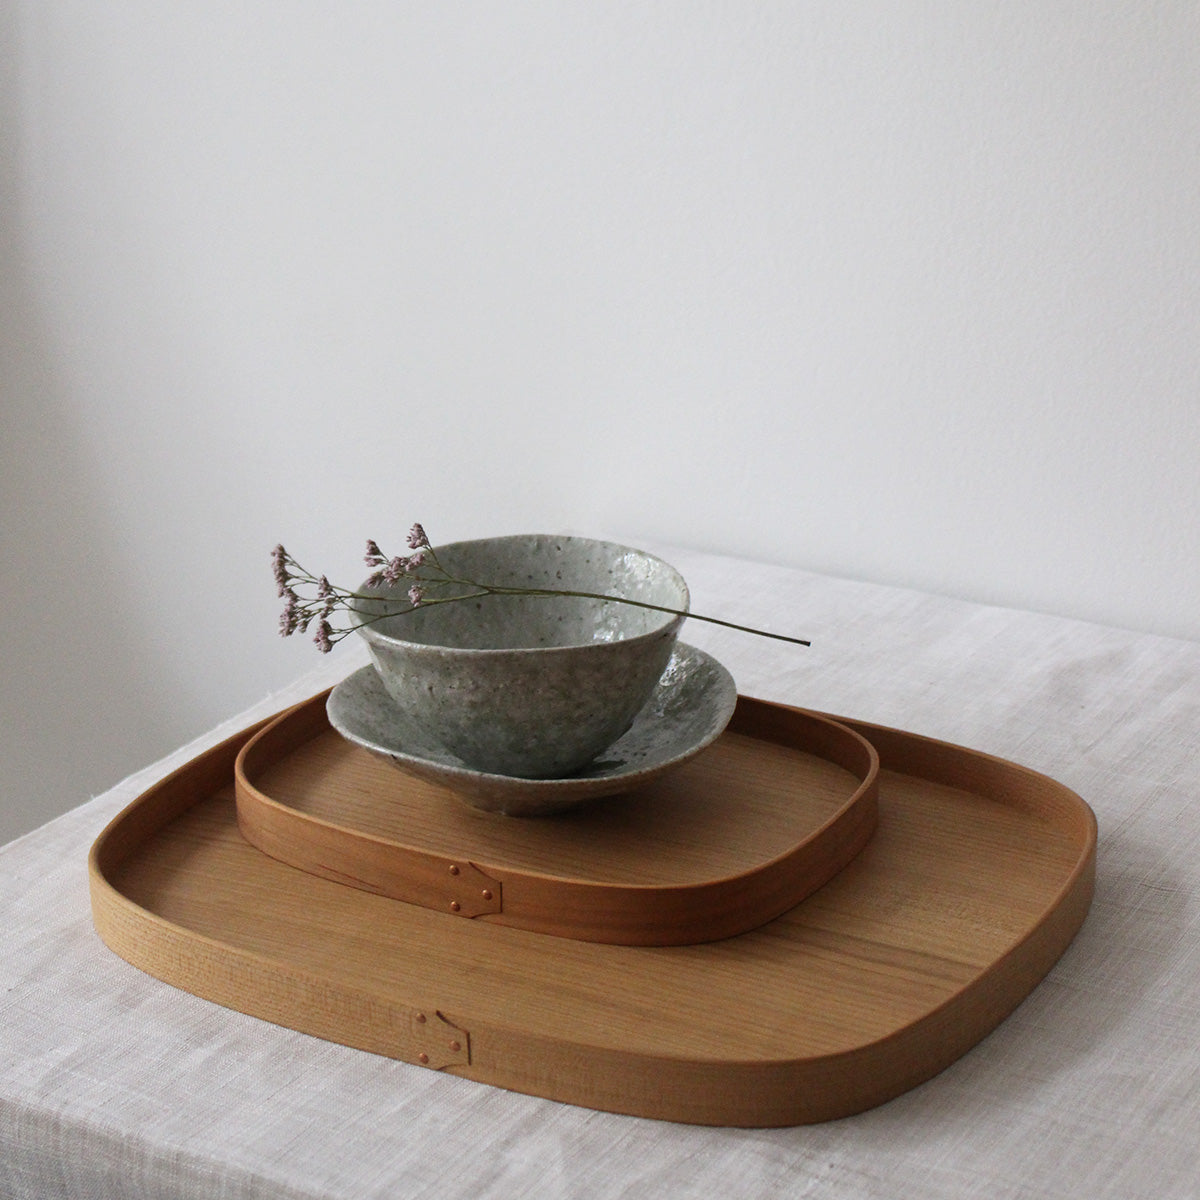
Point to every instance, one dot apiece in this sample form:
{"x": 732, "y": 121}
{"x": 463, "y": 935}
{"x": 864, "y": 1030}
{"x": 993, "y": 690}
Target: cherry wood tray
{"x": 978, "y": 876}
{"x": 762, "y": 818}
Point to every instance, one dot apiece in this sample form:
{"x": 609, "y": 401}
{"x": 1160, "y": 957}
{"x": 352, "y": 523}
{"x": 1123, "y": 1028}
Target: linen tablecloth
{"x": 113, "y": 1084}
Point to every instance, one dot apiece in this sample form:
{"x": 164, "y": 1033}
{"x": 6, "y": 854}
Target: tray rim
{"x": 758, "y": 1093}
{"x": 613, "y": 912}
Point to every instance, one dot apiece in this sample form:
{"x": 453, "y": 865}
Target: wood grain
{"x": 978, "y": 876}
{"x": 761, "y": 819}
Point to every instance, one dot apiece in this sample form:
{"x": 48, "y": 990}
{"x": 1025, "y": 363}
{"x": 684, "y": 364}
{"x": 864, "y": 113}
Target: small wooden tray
{"x": 976, "y": 880}
{"x": 762, "y": 818}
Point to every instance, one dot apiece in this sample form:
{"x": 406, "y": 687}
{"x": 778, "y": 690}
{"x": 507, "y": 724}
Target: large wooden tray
{"x": 978, "y": 876}
{"x": 762, "y": 818}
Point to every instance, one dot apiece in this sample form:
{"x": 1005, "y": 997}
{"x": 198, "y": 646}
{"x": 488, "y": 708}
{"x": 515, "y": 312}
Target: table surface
{"x": 114, "y": 1084}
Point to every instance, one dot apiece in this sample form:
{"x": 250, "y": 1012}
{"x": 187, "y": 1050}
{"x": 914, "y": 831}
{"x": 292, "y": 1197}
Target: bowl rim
{"x": 372, "y": 634}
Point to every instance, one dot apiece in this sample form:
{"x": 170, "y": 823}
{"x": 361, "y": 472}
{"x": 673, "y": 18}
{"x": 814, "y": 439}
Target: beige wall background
{"x": 901, "y": 291}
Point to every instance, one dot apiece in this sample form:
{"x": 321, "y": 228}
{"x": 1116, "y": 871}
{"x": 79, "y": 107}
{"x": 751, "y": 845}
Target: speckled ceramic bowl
{"x": 529, "y": 686}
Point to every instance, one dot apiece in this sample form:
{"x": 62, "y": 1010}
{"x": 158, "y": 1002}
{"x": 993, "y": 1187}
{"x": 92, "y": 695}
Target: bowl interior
{"x": 525, "y": 622}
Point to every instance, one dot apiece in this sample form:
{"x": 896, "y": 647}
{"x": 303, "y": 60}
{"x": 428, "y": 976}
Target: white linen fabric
{"x": 113, "y": 1084}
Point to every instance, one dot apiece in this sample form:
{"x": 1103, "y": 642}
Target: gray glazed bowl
{"x": 529, "y": 686}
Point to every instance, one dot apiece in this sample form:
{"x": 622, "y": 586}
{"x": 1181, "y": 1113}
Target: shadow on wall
{"x": 73, "y": 671}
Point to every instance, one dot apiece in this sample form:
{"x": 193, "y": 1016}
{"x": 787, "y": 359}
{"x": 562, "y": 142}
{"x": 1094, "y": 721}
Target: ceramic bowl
{"x": 528, "y": 686}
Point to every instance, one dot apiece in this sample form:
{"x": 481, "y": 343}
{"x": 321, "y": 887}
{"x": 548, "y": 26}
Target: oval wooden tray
{"x": 724, "y": 843}
{"x": 976, "y": 880}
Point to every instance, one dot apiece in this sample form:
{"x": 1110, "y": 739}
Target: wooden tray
{"x": 762, "y": 818}
{"x": 977, "y": 878}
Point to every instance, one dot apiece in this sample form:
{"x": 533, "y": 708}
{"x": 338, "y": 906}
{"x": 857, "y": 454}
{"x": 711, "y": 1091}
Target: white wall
{"x": 902, "y": 291}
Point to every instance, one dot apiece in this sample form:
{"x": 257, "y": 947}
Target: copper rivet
{"x": 487, "y": 893}
{"x": 455, "y": 906}
{"x": 455, "y": 1046}
{"x": 454, "y": 870}
{"x": 420, "y": 1018}
{"x": 423, "y": 1057}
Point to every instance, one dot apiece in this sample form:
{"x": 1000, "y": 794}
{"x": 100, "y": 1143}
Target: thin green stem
{"x": 489, "y": 590}
{"x": 678, "y": 612}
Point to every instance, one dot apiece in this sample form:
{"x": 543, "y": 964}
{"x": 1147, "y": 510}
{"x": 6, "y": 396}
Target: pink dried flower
{"x": 400, "y": 566}
{"x": 326, "y": 594}
{"x": 279, "y": 557}
{"x": 299, "y": 611}
{"x": 290, "y": 617}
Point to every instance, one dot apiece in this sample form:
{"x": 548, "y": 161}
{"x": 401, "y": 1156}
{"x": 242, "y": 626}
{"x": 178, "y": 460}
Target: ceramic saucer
{"x": 690, "y": 706}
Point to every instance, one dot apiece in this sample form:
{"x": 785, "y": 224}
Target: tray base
{"x": 977, "y": 878}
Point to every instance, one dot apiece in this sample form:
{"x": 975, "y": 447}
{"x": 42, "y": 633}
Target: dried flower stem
{"x": 427, "y": 577}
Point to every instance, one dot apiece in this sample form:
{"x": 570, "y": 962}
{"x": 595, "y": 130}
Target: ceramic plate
{"x": 691, "y": 704}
